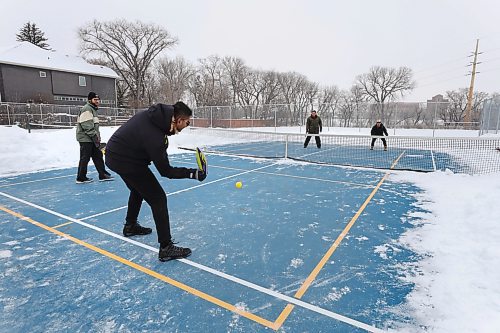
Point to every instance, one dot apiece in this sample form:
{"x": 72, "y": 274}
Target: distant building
{"x": 29, "y": 74}
{"x": 438, "y": 99}
{"x": 437, "y": 108}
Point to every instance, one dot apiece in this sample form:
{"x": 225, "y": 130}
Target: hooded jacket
{"x": 144, "y": 139}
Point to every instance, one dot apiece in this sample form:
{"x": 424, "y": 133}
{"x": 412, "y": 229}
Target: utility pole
{"x": 468, "y": 118}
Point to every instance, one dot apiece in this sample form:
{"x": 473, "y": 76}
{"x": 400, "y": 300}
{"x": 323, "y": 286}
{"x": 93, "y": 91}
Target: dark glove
{"x": 97, "y": 140}
{"x": 197, "y": 174}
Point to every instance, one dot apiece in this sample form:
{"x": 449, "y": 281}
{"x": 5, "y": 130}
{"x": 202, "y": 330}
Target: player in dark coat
{"x": 313, "y": 126}
{"x": 379, "y": 130}
{"x": 129, "y": 152}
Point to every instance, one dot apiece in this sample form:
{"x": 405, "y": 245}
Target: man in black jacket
{"x": 379, "y": 130}
{"x": 313, "y": 126}
{"x": 129, "y": 152}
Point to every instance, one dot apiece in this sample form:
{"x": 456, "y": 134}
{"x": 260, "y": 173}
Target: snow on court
{"x": 456, "y": 284}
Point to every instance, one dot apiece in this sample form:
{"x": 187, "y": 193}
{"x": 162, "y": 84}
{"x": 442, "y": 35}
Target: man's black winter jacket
{"x": 379, "y": 130}
{"x": 142, "y": 140}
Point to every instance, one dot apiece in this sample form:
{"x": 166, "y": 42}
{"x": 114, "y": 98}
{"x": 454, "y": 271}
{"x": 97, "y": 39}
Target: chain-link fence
{"x": 430, "y": 115}
{"x": 56, "y": 115}
{"x": 397, "y": 115}
{"x": 490, "y": 116}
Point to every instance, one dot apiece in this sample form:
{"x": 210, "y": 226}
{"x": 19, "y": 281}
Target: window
{"x": 43, "y": 74}
{"x": 82, "y": 81}
{"x": 69, "y": 98}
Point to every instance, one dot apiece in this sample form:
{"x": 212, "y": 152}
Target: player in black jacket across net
{"x": 129, "y": 152}
{"x": 379, "y": 130}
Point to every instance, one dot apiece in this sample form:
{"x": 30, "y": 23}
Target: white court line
{"x": 50, "y": 178}
{"x": 234, "y": 279}
{"x": 37, "y": 180}
{"x": 239, "y": 174}
{"x": 293, "y": 176}
{"x": 185, "y": 189}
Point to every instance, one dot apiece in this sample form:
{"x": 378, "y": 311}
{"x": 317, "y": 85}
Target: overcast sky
{"x": 328, "y": 41}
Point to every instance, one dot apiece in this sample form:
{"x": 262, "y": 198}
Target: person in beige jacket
{"x": 89, "y": 138}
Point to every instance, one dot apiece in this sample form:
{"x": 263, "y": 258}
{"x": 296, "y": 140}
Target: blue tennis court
{"x": 415, "y": 159}
{"x": 300, "y": 248}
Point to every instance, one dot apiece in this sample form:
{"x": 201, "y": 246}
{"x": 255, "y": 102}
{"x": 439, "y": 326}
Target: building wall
{"x": 2, "y": 92}
{"x": 68, "y": 84}
{"x": 105, "y": 88}
{"x": 23, "y": 84}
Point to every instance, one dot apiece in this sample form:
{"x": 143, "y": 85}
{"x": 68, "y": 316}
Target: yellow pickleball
{"x": 238, "y": 184}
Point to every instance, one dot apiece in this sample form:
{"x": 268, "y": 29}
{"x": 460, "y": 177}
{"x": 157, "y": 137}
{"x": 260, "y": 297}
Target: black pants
{"x": 375, "y": 139}
{"x": 318, "y": 141}
{"x": 87, "y": 151}
{"x": 144, "y": 185}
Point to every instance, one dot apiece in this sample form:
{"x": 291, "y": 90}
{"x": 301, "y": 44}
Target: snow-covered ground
{"x": 457, "y": 287}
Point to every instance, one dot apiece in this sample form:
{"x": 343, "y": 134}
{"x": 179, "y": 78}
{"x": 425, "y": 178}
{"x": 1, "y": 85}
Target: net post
{"x": 286, "y": 146}
{"x": 498, "y": 116}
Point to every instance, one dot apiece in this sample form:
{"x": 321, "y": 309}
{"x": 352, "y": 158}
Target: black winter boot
{"x": 135, "y": 229}
{"x": 170, "y": 251}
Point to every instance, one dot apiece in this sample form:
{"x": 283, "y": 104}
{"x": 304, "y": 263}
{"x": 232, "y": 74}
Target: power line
{"x": 436, "y": 82}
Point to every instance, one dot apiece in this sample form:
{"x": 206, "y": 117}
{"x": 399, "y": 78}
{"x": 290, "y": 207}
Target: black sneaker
{"x": 84, "y": 181}
{"x": 171, "y": 251}
{"x": 135, "y": 229}
{"x": 106, "y": 178}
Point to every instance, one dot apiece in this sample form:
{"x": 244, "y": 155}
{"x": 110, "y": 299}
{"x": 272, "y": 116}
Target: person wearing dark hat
{"x": 378, "y": 130}
{"x": 313, "y": 126}
{"x": 89, "y": 138}
{"x": 129, "y": 152}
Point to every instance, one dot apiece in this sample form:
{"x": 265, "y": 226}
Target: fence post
{"x": 275, "y": 122}
{"x": 498, "y": 118}
{"x": 41, "y": 114}
{"x": 211, "y": 118}
{"x": 395, "y": 118}
{"x": 251, "y": 115}
{"x": 483, "y": 120}
{"x": 434, "y": 119}
{"x": 8, "y": 113}
{"x": 286, "y": 146}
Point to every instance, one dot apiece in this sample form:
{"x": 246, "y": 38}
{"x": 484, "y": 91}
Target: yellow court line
{"x": 150, "y": 272}
{"x": 62, "y": 225}
{"x": 312, "y": 276}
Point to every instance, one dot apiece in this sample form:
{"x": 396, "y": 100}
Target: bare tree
{"x": 209, "y": 85}
{"x": 297, "y": 92}
{"x": 384, "y": 84}
{"x": 174, "y": 76}
{"x": 458, "y": 105}
{"x": 360, "y": 105}
{"x": 328, "y": 99}
{"x": 347, "y": 107}
{"x": 129, "y": 47}
{"x": 269, "y": 93}
{"x": 236, "y": 71}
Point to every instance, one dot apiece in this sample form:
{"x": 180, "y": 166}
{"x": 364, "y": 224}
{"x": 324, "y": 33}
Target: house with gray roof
{"x": 29, "y": 74}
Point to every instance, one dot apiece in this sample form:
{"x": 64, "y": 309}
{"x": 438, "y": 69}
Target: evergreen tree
{"x": 31, "y": 33}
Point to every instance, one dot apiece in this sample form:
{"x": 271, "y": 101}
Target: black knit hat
{"x": 92, "y": 95}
